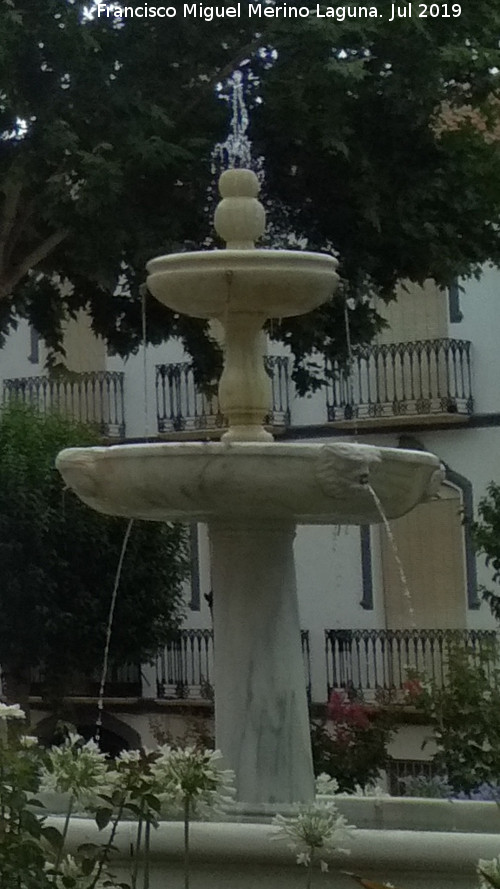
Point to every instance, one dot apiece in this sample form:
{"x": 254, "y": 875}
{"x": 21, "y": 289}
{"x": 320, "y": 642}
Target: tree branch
{"x": 17, "y": 230}
{"x": 31, "y": 261}
{"x": 12, "y": 191}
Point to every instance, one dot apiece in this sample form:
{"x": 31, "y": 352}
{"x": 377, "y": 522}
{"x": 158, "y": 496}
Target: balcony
{"x": 95, "y": 398}
{"x": 184, "y": 410}
{"x": 402, "y": 383}
{"x": 374, "y": 663}
{"x": 184, "y": 669}
{"x": 370, "y": 664}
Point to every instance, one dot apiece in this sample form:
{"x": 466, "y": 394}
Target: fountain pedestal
{"x": 261, "y": 714}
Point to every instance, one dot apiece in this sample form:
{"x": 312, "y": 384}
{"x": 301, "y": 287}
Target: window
{"x": 194, "y": 556}
{"x": 454, "y": 302}
{"x": 34, "y": 355}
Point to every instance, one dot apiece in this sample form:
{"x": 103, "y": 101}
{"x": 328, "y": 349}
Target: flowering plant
{"x": 77, "y": 768}
{"x": 464, "y": 714}
{"x": 318, "y": 831}
{"x": 314, "y": 833}
{"x": 350, "y": 742}
{"x": 144, "y": 784}
{"x": 22, "y": 857}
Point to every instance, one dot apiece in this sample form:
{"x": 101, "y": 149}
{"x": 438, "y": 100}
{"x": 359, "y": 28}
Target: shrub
{"x": 465, "y": 718}
{"x": 349, "y": 743}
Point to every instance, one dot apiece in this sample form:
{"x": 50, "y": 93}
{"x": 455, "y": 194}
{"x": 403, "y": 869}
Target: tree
{"x": 363, "y": 146}
{"x": 58, "y": 561}
{"x": 486, "y": 535}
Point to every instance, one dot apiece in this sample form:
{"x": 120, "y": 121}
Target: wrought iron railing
{"x": 94, "y": 397}
{"x": 185, "y": 666}
{"x": 399, "y": 771}
{"x": 182, "y": 406}
{"x": 402, "y": 379}
{"x": 122, "y": 682}
{"x": 376, "y": 663}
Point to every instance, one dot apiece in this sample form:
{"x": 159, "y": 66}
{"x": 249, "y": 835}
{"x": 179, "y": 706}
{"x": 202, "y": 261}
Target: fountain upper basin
{"x": 271, "y": 283}
{"x": 250, "y": 482}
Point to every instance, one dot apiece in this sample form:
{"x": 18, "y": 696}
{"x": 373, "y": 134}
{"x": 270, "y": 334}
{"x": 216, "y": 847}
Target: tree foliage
{"x": 58, "y": 561}
{"x": 121, "y": 117}
{"x": 465, "y": 717}
{"x": 486, "y": 534}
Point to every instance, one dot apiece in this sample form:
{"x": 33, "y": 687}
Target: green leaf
{"x": 89, "y": 850}
{"x": 53, "y": 836}
{"x": 103, "y": 817}
{"x": 87, "y": 866}
{"x": 153, "y": 802}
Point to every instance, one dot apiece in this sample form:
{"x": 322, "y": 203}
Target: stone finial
{"x": 239, "y": 218}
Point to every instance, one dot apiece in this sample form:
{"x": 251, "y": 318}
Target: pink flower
{"x": 353, "y": 714}
{"x": 413, "y": 689}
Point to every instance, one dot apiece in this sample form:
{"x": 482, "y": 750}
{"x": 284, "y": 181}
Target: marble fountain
{"x": 251, "y": 491}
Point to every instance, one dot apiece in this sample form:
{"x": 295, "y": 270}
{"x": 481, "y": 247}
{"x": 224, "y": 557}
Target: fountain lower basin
{"x": 252, "y": 495}
{"x": 413, "y": 843}
{"x": 206, "y": 482}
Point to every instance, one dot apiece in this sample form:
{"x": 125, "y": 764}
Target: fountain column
{"x": 261, "y": 713}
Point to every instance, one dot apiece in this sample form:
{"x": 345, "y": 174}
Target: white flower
{"x": 129, "y": 756}
{"x": 326, "y": 786}
{"x": 316, "y": 828}
{"x": 77, "y": 768}
{"x": 11, "y": 711}
{"x": 69, "y": 873}
{"x": 132, "y": 779}
{"x": 28, "y": 741}
{"x": 489, "y": 872}
{"x": 193, "y": 777}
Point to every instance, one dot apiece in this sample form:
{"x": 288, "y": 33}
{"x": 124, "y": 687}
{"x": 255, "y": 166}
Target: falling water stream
{"x": 397, "y": 558}
{"x": 109, "y": 628}
{"x": 145, "y": 363}
{"x": 350, "y": 356}
{"x": 380, "y": 509}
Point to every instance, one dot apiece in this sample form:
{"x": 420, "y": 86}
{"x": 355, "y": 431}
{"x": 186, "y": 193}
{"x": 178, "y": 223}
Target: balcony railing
{"x": 121, "y": 682}
{"x": 374, "y": 662}
{"x": 182, "y": 406}
{"x": 185, "y": 667}
{"x": 95, "y": 398}
{"x": 397, "y": 380}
